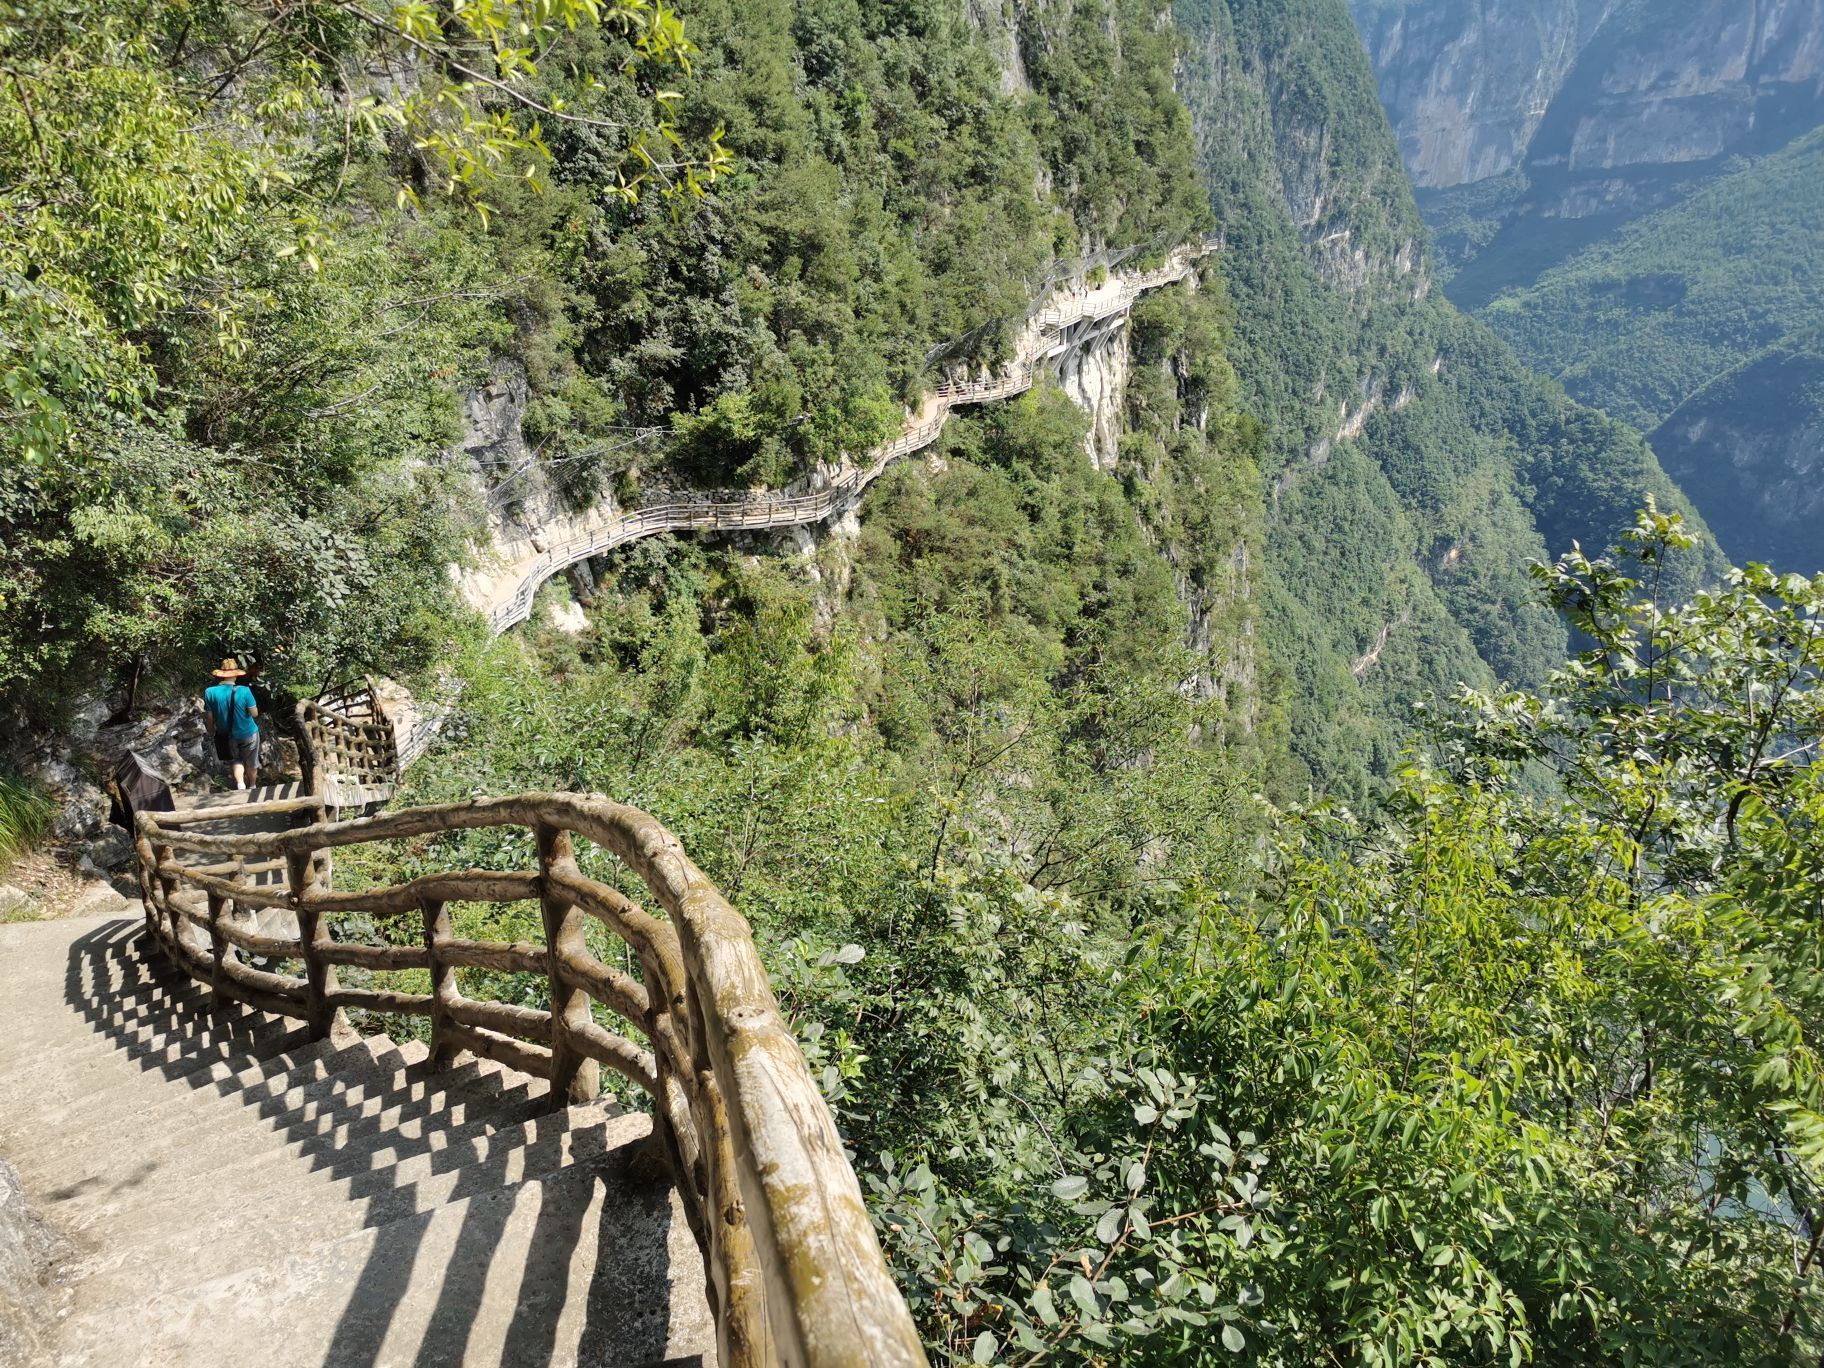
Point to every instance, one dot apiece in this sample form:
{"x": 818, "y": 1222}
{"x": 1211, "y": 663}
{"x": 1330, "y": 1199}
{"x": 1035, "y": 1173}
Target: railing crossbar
{"x": 795, "y": 1272}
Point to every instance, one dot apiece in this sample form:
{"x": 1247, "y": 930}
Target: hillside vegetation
{"x": 1697, "y": 324}
{"x": 1638, "y": 324}
{"x": 1415, "y": 466}
{"x": 1226, "y": 922}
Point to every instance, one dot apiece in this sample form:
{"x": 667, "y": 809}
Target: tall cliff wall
{"x": 1587, "y": 93}
{"x": 1414, "y": 464}
{"x": 1625, "y": 191}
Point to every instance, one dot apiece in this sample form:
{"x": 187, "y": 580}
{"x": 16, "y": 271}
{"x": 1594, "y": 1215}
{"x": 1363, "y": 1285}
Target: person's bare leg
{"x": 240, "y": 776}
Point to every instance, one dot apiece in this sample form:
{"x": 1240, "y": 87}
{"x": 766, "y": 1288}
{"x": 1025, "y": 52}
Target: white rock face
{"x": 1095, "y": 378}
{"x": 569, "y": 618}
{"x": 521, "y": 509}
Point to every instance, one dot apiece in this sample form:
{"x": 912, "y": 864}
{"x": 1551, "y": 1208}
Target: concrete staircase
{"x": 234, "y": 1194}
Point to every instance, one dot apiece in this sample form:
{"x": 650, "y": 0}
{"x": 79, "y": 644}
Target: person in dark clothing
{"x": 233, "y": 718}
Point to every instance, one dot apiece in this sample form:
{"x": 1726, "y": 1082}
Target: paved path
{"x": 236, "y": 1195}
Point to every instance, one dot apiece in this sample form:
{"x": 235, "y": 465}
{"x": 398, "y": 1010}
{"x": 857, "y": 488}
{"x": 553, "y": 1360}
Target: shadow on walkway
{"x": 454, "y": 1217}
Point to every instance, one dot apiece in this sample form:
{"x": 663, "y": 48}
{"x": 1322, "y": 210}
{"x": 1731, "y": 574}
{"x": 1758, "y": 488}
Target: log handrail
{"x": 795, "y": 1273}
{"x": 350, "y": 759}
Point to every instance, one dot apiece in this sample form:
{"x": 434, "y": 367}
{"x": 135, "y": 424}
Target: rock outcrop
{"x": 27, "y": 1247}
{"x": 1590, "y": 97}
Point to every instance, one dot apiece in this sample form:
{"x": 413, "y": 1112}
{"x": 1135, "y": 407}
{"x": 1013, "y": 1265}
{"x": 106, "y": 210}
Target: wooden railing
{"x": 1042, "y": 340}
{"x": 351, "y": 759}
{"x": 795, "y": 1274}
{"x": 352, "y": 698}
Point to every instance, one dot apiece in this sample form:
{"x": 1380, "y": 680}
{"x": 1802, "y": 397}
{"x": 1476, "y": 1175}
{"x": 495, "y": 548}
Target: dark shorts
{"x": 246, "y": 751}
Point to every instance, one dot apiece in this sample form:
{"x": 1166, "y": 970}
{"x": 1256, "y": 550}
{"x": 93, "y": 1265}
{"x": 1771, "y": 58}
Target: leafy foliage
{"x": 25, "y": 815}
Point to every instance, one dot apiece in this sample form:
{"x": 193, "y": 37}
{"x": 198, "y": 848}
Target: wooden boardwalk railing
{"x": 795, "y": 1273}
{"x": 350, "y": 753}
{"x": 1042, "y": 340}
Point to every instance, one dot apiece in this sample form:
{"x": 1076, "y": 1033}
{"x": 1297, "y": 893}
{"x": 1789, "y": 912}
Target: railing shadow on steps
{"x": 795, "y": 1273}
{"x": 138, "y": 1003}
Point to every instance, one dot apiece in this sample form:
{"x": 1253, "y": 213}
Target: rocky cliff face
{"x": 1584, "y": 95}
{"x": 1467, "y": 86}
{"x": 1749, "y": 447}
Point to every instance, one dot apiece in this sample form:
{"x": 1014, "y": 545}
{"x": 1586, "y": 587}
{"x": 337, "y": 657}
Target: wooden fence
{"x": 795, "y": 1274}
{"x": 350, "y": 754}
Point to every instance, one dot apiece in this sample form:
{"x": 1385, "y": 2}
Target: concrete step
{"x": 66, "y": 1000}
{"x": 160, "y": 1060}
{"x": 231, "y": 1077}
{"x": 118, "y": 967}
{"x": 201, "y": 1138}
{"x": 587, "y": 1265}
{"x": 342, "y": 1134}
{"x": 238, "y": 1228}
{"x": 375, "y": 1194}
{"x": 34, "y": 942}
{"x": 62, "y": 1078}
{"x": 113, "y": 1016}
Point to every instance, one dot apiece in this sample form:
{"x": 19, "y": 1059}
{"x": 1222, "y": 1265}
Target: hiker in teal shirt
{"x": 233, "y": 719}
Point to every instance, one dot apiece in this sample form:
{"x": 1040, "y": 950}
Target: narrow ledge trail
{"x": 504, "y": 592}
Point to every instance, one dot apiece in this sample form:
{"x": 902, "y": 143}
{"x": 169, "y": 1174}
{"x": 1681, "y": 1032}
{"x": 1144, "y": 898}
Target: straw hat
{"x": 231, "y": 669}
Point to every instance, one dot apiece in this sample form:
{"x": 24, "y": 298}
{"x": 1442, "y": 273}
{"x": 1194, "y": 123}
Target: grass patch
{"x": 25, "y": 815}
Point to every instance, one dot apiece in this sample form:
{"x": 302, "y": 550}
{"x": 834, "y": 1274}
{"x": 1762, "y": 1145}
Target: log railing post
{"x": 443, "y": 976}
{"x": 218, "y": 948}
{"x": 162, "y": 856}
{"x": 574, "y": 1078}
{"x": 313, "y": 936}
{"x": 148, "y": 864}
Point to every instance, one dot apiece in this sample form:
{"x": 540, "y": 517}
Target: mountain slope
{"x": 1635, "y": 205}
{"x": 1749, "y": 448}
{"x": 1535, "y": 127}
{"x": 1640, "y": 322}
{"x": 1416, "y": 465}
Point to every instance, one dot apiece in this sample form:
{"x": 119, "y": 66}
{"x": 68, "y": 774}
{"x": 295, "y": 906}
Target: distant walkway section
{"x": 505, "y": 592}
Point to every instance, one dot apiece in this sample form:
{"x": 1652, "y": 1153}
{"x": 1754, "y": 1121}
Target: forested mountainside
{"x": 1415, "y": 467}
{"x": 1633, "y": 205}
{"x": 1143, "y": 1056}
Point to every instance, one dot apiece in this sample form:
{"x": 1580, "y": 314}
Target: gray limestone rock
{"x": 110, "y": 852}
{"x": 99, "y": 900}
{"x": 27, "y": 1246}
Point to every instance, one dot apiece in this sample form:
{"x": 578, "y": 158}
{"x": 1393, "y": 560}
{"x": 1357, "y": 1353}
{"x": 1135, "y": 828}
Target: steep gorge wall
{"x": 1626, "y": 192}
{"x": 1587, "y": 93}
{"x": 1415, "y": 465}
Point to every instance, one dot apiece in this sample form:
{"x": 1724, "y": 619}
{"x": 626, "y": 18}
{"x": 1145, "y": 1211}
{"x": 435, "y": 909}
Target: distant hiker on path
{"x": 232, "y": 718}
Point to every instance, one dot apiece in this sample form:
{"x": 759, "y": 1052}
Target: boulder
{"x": 109, "y": 852}
{"x": 12, "y": 899}
{"x": 569, "y": 618}
{"x": 99, "y": 900}
{"x": 82, "y": 806}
